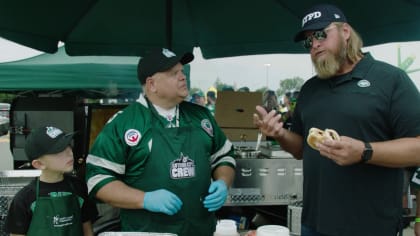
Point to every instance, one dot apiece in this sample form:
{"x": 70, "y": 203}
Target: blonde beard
{"x": 332, "y": 63}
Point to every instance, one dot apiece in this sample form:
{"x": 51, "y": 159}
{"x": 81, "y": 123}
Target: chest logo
{"x": 132, "y": 137}
{"x": 363, "y": 83}
{"x": 182, "y": 168}
{"x": 206, "y": 125}
{"x": 61, "y": 221}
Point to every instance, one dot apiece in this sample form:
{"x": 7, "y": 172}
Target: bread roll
{"x": 316, "y": 136}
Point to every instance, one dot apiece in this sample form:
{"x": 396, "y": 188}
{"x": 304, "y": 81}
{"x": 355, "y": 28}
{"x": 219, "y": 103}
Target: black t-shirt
{"x": 21, "y": 208}
{"x": 375, "y": 102}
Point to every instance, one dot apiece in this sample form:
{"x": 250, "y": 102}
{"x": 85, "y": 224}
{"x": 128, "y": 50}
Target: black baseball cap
{"x": 160, "y": 60}
{"x": 46, "y": 140}
{"x": 318, "y": 17}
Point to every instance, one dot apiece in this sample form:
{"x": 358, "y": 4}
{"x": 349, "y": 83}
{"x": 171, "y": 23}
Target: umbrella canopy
{"x": 220, "y": 28}
{"x": 87, "y": 76}
{"x": 94, "y": 76}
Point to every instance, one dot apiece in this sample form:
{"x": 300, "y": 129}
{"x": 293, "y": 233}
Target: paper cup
{"x": 272, "y": 230}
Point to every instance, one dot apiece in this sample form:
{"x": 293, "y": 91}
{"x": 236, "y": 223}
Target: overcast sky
{"x": 251, "y": 71}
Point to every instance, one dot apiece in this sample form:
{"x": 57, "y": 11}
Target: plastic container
{"x": 226, "y": 228}
{"x": 134, "y": 234}
{"x": 273, "y": 230}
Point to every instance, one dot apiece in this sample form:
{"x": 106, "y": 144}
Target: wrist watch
{"x": 367, "y": 153}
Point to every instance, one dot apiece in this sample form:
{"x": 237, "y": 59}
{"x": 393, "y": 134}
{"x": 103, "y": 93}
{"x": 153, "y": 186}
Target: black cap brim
{"x": 183, "y": 59}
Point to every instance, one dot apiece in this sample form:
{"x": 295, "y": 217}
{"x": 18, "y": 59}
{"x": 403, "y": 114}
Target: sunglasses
{"x": 319, "y": 35}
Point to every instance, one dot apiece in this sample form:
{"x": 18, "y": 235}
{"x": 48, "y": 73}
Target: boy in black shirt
{"x": 55, "y": 203}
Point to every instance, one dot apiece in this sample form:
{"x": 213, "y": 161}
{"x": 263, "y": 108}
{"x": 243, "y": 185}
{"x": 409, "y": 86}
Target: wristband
{"x": 417, "y": 220}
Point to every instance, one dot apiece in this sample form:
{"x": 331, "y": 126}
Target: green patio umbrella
{"x": 221, "y": 28}
{"x": 88, "y": 76}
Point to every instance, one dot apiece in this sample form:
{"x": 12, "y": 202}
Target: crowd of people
{"x": 167, "y": 165}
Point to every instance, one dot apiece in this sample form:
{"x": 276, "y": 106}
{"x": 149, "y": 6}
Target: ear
{"x": 37, "y": 164}
{"x": 346, "y": 29}
{"x": 151, "y": 84}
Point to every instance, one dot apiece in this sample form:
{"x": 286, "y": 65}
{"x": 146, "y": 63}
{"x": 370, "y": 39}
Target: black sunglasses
{"x": 319, "y": 35}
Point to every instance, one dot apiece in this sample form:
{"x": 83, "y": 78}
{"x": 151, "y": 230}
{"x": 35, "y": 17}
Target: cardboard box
{"x": 238, "y": 134}
{"x": 236, "y": 109}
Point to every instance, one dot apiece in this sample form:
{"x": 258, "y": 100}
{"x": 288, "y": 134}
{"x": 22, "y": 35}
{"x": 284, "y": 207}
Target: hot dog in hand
{"x": 316, "y": 136}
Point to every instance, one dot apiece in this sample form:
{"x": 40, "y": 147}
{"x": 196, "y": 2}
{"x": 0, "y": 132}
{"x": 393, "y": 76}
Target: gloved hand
{"x": 163, "y": 201}
{"x": 217, "y": 197}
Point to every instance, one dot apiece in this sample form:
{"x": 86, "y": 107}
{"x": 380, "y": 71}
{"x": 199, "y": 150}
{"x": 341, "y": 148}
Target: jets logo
{"x": 363, "y": 83}
{"x": 206, "y": 125}
{"x": 53, "y": 132}
{"x": 167, "y": 53}
{"x": 132, "y": 137}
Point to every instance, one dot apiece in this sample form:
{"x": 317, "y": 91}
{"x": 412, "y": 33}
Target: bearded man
{"x": 353, "y": 184}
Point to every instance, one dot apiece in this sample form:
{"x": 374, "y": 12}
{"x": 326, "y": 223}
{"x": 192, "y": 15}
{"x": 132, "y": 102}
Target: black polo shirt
{"x": 374, "y": 102}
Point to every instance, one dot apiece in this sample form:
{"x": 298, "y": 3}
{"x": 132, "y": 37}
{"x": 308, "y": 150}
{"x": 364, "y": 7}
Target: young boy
{"x": 55, "y": 203}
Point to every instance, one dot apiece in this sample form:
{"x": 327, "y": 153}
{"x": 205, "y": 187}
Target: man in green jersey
{"x": 164, "y": 161}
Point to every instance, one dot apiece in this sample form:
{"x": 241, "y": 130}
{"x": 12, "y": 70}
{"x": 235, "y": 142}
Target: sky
{"x": 251, "y": 71}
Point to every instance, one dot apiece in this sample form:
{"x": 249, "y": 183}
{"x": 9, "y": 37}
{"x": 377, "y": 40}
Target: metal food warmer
{"x": 267, "y": 176}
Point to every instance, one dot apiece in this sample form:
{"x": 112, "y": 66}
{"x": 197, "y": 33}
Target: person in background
{"x": 352, "y": 186}
{"x": 55, "y": 203}
{"x": 415, "y": 182}
{"x": 211, "y": 101}
{"x": 289, "y": 103}
{"x": 407, "y": 201}
{"x": 198, "y": 98}
{"x": 270, "y": 101}
{"x": 163, "y": 161}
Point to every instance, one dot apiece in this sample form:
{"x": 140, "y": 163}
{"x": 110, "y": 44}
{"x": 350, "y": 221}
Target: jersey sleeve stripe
{"x": 227, "y": 160}
{"x": 93, "y": 181}
{"x": 100, "y": 162}
{"x": 221, "y": 152}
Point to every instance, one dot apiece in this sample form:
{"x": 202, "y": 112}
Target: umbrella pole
{"x": 169, "y": 20}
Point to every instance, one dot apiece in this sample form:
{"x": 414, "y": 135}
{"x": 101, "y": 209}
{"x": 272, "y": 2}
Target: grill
{"x": 10, "y": 183}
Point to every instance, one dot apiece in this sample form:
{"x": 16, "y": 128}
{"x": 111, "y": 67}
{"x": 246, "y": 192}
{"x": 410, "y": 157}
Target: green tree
{"x": 220, "y": 86}
{"x": 290, "y": 84}
{"x": 6, "y": 97}
{"x": 262, "y": 89}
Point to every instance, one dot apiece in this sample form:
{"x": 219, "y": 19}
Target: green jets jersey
{"x": 124, "y": 144}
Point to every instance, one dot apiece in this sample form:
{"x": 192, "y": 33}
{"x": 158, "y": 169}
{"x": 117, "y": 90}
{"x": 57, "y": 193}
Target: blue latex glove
{"x": 218, "y": 192}
{"x": 162, "y": 201}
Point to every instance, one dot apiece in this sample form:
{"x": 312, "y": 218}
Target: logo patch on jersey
{"x": 363, "y": 83}
{"x": 132, "y": 137}
{"x": 206, "y": 125}
{"x": 182, "y": 168}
